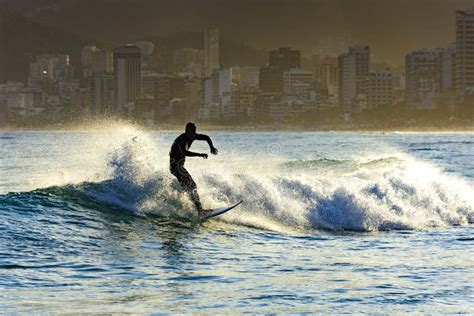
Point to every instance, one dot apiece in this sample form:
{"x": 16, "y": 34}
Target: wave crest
{"x": 382, "y": 193}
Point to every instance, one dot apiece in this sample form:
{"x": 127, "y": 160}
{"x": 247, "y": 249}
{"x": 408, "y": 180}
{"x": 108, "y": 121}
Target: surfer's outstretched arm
{"x": 188, "y": 153}
{"x": 209, "y": 142}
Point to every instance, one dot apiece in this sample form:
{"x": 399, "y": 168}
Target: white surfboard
{"x": 218, "y": 211}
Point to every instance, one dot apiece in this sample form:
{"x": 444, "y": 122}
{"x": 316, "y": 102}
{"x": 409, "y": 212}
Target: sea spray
{"x": 381, "y": 193}
{"x": 138, "y": 182}
{"x": 127, "y": 167}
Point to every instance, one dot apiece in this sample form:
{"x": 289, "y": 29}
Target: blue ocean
{"x": 331, "y": 222}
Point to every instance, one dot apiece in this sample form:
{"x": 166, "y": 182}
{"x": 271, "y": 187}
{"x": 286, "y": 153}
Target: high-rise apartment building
{"x": 279, "y": 61}
{"x": 245, "y": 76}
{"x": 127, "y": 77}
{"x": 347, "y": 81}
{"x": 464, "y": 60}
{"x": 249, "y": 76}
{"x": 353, "y": 68}
{"x": 328, "y": 73}
{"x": 298, "y": 82}
{"x": 211, "y": 50}
{"x": 362, "y": 65}
{"x": 428, "y": 73}
{"x": 193, "y": 96}
{"x": 101, "y": 89}
{"x": 379, "y": 88}
{"x": 271, "y": 79}
{"x": 448, "y": 68}
{"x": 243, "y": 97}
{"x": 222, "y": 91}
{"x": 218, "y": 95}
{"x": 95, "y": 61}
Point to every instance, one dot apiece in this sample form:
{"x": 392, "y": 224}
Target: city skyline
{"x": 187, "y": 75}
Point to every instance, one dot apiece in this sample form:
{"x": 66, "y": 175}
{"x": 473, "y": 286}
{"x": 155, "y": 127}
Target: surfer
{"x": 179, "y": 151}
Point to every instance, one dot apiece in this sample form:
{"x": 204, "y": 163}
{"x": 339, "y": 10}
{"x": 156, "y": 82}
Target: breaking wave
{"x": 396, "y": 192}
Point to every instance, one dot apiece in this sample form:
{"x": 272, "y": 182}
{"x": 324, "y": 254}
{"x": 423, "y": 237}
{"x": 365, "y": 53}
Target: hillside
{"x": 22, "y": 38}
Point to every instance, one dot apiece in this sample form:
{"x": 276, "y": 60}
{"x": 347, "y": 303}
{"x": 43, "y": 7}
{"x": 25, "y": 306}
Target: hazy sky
{"x": 390, "y": 27}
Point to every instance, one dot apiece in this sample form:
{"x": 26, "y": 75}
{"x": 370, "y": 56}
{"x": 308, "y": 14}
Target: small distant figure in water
{"x": 178, "y": 153}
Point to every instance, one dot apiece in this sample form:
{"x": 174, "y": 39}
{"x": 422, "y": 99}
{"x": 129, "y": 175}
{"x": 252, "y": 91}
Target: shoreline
{"x": 464, "y": 127}
{"x": 256, "y": 130}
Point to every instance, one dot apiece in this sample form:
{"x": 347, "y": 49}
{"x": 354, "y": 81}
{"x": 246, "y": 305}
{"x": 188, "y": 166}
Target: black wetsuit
{"x": 179, "y": 151}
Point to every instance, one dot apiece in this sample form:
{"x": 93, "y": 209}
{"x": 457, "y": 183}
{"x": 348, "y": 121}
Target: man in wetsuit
{"x": 178, "y": 153}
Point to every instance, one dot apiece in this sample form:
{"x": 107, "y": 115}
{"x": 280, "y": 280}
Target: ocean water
{"x": 331, "y": 222}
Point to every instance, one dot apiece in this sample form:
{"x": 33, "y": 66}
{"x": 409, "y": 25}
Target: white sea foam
{"x": 385, "y": 192}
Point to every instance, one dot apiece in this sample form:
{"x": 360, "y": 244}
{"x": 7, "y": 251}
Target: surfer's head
{"x": 190, "y": 130}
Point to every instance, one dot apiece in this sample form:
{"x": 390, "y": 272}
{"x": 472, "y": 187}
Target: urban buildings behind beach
{"x": 152, "y": 85}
